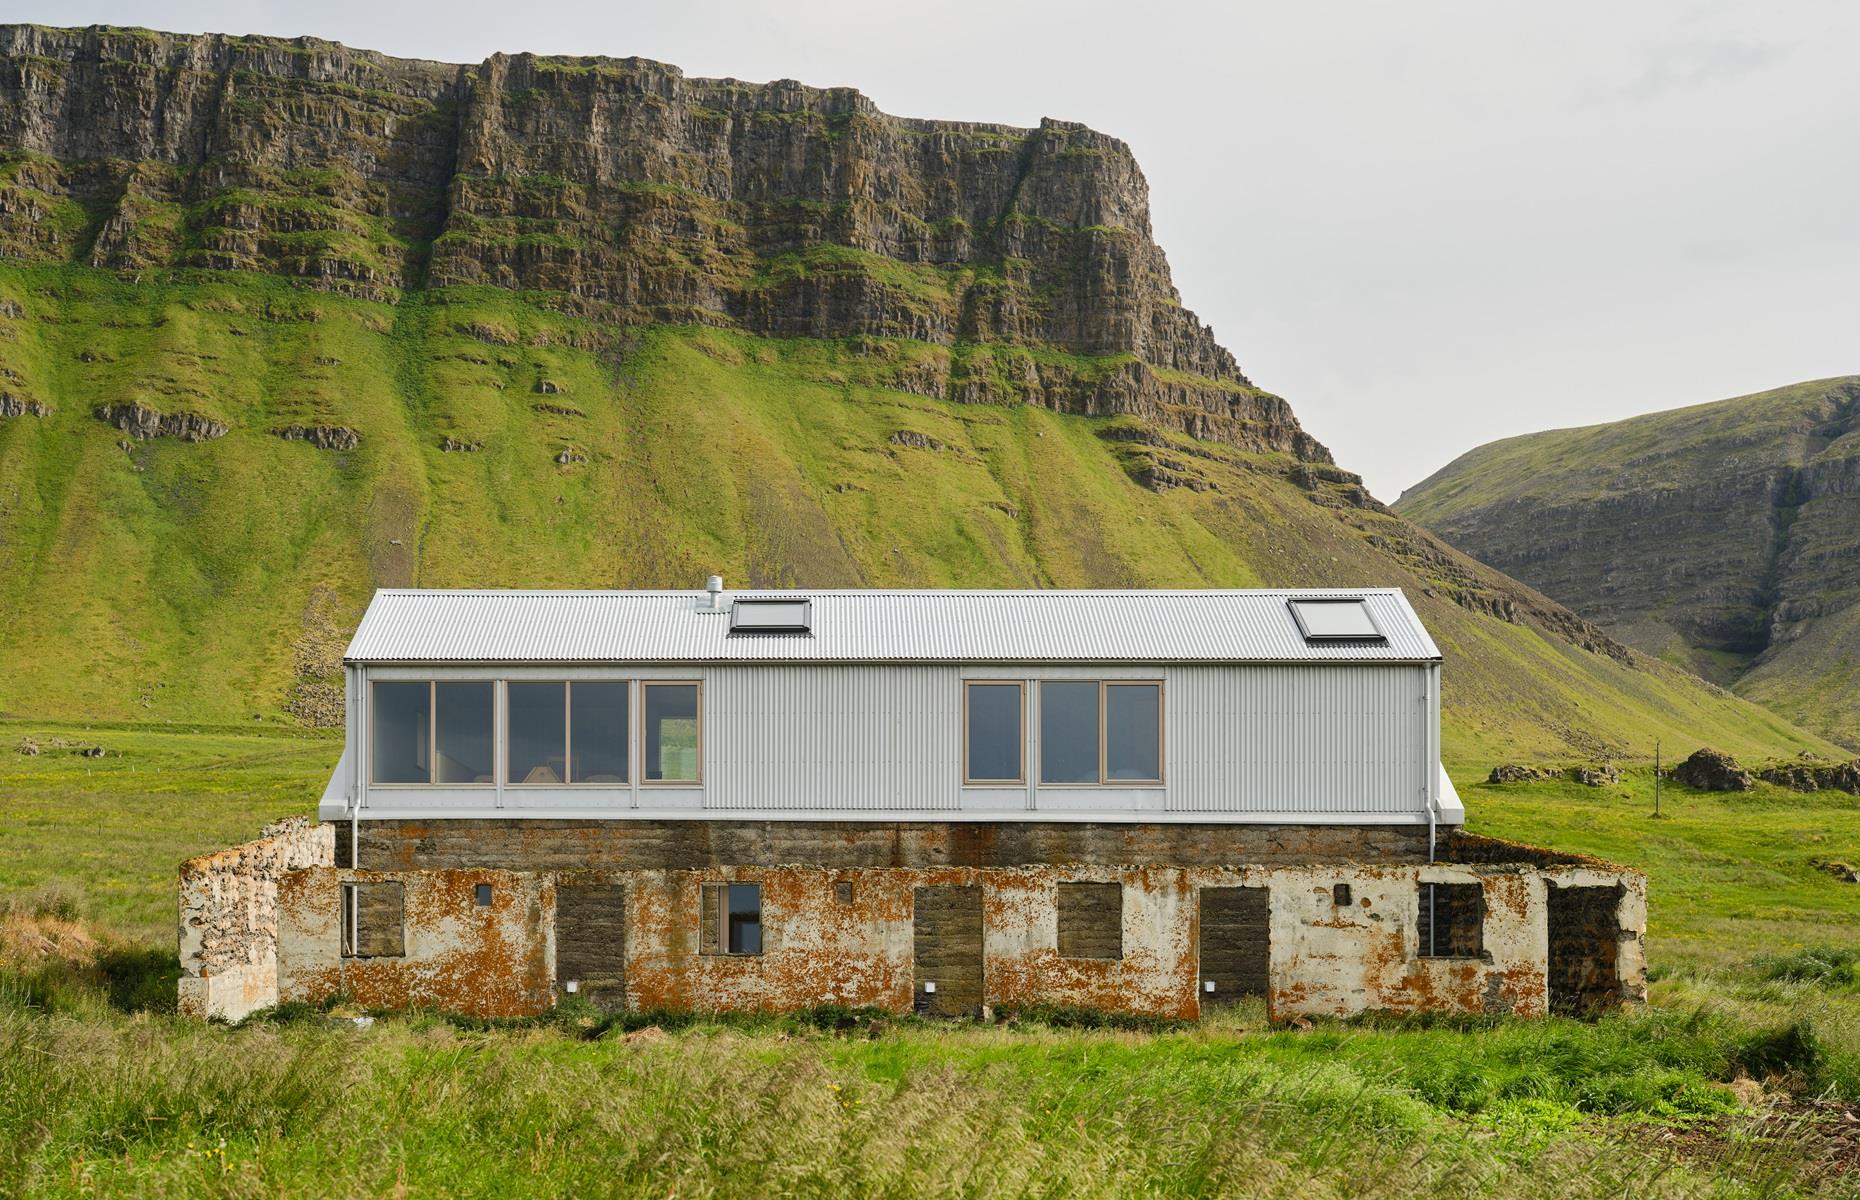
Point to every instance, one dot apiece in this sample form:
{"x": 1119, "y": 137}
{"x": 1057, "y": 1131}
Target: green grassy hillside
{"x": 1724, "y": 537}
{"x": 164, "y": 580}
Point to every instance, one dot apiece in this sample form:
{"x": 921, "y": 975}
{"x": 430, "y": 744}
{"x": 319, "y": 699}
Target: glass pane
{"x": 401, "y": 731}
{"x": 1335, "y": 620}
{"x": 463, "y": 716}
{"x": 1068, "y": 732}
{"x": 1132, "y": 731}
{"x": 600, "y": 733}
{"x": 537, "y": 722}
{"x": 671, "y": 731}
{"x": 745, "y": 918}
{"x": 994, "y": 731}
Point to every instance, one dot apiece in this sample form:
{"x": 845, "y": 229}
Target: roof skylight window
{"x": 771, "y": 616}
{"x": 1339, "y": 620}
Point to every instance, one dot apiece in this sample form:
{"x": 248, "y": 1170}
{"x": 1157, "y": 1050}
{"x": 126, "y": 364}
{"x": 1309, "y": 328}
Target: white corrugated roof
{"x": 412, "y": 626}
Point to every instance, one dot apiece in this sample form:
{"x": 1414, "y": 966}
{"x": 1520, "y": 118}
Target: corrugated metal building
{"x": 861, "y": 713}
{"x": 948, "y": 801}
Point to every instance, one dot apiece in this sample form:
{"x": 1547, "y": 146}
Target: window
{"x": 1335, "y": 620}
{"x": 1132, "y": 732}
{"x": 730, "y": 918}
{"x": 536, "y": 733}
{"x": 1100, "y": 732}
{"x": 403, "y": 731}
{"x": 566, "y": 733}
{"x": 1452, "y": 920}
{"x": 373, "y": 920}
{"x": 1091, "y": 920}
{"x": 598, "y": 732}
{"x": 771, "y": 616}
{"x": 673, "y": 732}
{"x": 993, "y": 733}
{"x": 462, "y": 732}
{"x": 1069, "y": 729}
{"x": 433, "y": 732}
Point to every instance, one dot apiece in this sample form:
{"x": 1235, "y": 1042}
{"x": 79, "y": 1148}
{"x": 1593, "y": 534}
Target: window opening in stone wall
{"x": 1452, "y": 920}
{"x": 373, "y": 920}
{"x": 1091, "y": 920}
{"x": 730, "y": 918}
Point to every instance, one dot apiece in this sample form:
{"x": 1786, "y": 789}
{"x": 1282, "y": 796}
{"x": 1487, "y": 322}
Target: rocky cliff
{"x": 1724, "y": 536}
{"x": 282, "y": 321}
{"x": 626, "y": 192}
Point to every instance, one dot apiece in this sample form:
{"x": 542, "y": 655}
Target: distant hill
{"x": 282, "y": 321}
{"x": 1724, "y": 537}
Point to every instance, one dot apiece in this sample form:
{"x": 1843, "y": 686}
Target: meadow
{"x": 1740, "y": 1078}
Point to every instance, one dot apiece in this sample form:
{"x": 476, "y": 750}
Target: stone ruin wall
{"x": 228, "y": 917}
{"x": 261, "y": 923}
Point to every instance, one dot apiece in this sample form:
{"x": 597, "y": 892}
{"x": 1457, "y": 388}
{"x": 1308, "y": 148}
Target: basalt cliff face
{"x": 1725, "y": 537}
{"x": 628, "y": 193}
{"x": 283, "y": 321}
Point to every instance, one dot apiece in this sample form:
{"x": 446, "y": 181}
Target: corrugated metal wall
{"x": 806, "y": 738}
{"x": 1296, "y": 739}
{"x": 1277, "y": 740}
{"x": 1255, "y": 739}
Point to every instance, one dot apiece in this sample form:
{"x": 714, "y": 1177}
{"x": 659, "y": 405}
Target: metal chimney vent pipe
{"x": 714, "y": 585}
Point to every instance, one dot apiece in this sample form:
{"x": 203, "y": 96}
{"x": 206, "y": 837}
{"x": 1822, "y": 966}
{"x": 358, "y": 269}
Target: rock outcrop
{"x": 626, "y": 191}
{"x": 20, "y": 406}
{"x": 323, "y": 437}
{"x": 1713, "y": 771}
{"x": 140, "y": 421}
{"x": 1815, "y": 777}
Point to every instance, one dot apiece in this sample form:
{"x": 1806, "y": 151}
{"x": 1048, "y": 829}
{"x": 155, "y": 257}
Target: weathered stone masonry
{"x": 973, "y": 908}
{"x": 229, "y": 917}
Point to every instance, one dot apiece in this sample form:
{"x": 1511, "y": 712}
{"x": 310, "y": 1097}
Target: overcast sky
{"x": 1428, "y": 224}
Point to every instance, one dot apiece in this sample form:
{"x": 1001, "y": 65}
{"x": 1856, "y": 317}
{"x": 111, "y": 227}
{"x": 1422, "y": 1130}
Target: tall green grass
{"x": 95, "y": 1103}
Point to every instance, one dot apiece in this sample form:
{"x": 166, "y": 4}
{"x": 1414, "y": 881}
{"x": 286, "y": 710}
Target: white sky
{"x": 1427, "y": 224}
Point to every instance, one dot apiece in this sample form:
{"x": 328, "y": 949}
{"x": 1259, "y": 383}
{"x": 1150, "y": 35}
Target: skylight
{"x": 771, "y": 616}
{"x": 1342, "y": 620}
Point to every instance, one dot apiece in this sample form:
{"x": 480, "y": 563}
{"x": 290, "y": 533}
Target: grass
{"x": 419, "y": 1106}
{"x": 110, "y": 832}
{"x": 103, "y": 1092}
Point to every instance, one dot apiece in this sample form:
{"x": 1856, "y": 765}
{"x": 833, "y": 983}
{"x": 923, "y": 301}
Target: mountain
{"x": 1724, "y": 537}
{"x": 282, "y": 321}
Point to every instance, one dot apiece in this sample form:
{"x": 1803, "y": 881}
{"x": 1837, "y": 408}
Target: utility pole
{"x": 1656, "y": 779}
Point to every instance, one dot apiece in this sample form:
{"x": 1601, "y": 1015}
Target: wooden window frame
{"x": 714, "y": 918}
{"x": 432, "y": 736}
{"x": 568, "y": 736}
{"x": 1104, "y": 741}
{"x": 646, "y": 782}
{"x": 1020, "y": 737}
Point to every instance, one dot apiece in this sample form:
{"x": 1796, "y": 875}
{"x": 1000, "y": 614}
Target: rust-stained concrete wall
{"x": 490, "y": 960}
{"x": 1325, "y": 958}
{"x": 227, "y": 923}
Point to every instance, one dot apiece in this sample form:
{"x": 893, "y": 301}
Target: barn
{"x": 948, "y": 802}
